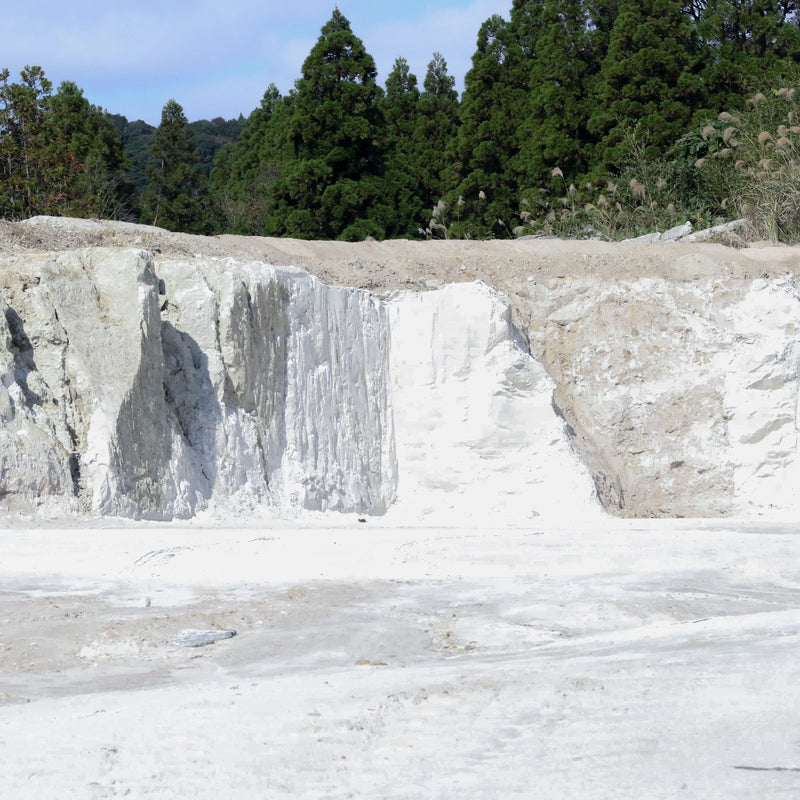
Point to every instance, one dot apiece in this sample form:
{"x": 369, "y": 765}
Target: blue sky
{"x": 216, "y": 58}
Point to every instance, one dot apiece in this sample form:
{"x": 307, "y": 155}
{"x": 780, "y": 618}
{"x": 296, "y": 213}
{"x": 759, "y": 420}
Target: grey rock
{"x": 199, "y": 638}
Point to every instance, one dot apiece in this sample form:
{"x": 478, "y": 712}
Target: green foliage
{"x": 245, "y": 171}
{"x": 752, "y": 168}
{"x": 400, "y": 107}
{"x": 647, "y": 77}
{"x": 88, "y": 149}
{"x": 137, "y": 139}
{"x": 210, "y": 136}
{"x": 434, "y": 136}
{"x": 58, "y": 154}
{"x": 399, "y": 104}
{"x": 490, "y": 113}
{"x": 329, "y": 188}
{"x": 554, "y": 132}
{"x": 25, "y": 171}
{"x": 748, "y": 39}
{"x": 176, "y": 196}
{"x": 563, "y": 101}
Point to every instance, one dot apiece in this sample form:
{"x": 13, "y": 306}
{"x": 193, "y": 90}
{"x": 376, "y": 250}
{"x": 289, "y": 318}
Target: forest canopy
{"x": 578, "y": 118}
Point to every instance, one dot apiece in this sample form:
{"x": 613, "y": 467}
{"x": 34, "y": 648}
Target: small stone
{"x": 196, "y": 638}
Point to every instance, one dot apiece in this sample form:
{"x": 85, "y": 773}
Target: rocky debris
{"x": 685, "y": 233}
{"x": 196, "y": 638}
{"x": 726, "y": 233}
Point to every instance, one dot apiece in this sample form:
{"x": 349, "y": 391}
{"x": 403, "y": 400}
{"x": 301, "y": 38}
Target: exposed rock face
{"x": 256, "y": 384}
{"x": 82, "y": 370}
{"x": 279, "y": 386}
{"x": 682, "y": 394}
{"x": 477, "y": 434}
{"x": 156, "y": 389}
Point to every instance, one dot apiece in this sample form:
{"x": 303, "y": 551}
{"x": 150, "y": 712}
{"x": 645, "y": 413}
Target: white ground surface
{"x": 606, "y": 659}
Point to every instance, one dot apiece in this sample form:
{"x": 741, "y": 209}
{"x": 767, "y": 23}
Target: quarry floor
{"x": 619, "y": 659}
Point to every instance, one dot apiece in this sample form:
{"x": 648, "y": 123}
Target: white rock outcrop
{"x": 682, "y": 394}
{"x": 477, "y": 436}
{"x": 279, "y": 385}
{"x": 131, "y": 394}
{"x": 158, "y": 389}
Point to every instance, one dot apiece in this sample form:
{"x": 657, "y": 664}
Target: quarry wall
{"x": 156, "y": 385}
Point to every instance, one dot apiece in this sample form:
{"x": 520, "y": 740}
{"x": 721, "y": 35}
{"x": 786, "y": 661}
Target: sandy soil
{"x": 625, "y": 660}
{"x": 402, "y": 264}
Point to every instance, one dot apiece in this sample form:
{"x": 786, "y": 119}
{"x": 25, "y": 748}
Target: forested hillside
{"x": 579, "y": 118}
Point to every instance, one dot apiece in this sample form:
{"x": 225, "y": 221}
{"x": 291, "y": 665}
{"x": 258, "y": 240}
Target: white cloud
{"x": 451, "y": 31}
{"x": 217, "y": 59}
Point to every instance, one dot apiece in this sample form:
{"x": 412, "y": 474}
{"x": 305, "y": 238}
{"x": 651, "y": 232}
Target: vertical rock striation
{"x": 126, "y": 393}
{"x": 156, "y": 392}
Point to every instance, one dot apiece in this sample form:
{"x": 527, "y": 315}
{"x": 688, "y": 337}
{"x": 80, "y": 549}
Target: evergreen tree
{"x": 434, "y": 135}
{"x": 332, "y": 188}
{"x": 25, "y": 174}
{"x": 210, "y": 136}
{"x": 176, "y": 195}
{"x": 745, "y": 40}
{"x": 58, "y": 154}
{"x": 137, "y": 139}
{"x": 560, "y": 63}
{"x": 245, "y": 172}
{"x": 90, "y": 158}
{"x": 399, "y": 104}
{"x": 491, "y": 110}
{"x": 647, "y": 79}
{"x": 526, "y": 23}
{"x": 399, "y": 176}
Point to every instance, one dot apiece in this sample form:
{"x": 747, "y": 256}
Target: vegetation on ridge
{"x": 578, "y": 118}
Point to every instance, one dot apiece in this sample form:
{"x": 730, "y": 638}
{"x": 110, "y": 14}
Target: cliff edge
{"x": 152, "y": 374}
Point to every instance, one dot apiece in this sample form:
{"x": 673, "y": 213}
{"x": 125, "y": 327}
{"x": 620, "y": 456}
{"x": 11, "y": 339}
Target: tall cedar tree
{"x": 560, "y": 62}
{"x": 747, "y": 40}
{"x": 90, "y": 156}
{"x": 491, "y": 110}
{"x": 333, "y": 188}
{"x": 400, "y": 178}
{"x": 25, "y": 175}
{"x": 245, "y": 172}
{"x": 175, "y": 197}
{"x": 648, "y": 80}
{"x": 435, "y": 132}
{"x": 399, "y": 104}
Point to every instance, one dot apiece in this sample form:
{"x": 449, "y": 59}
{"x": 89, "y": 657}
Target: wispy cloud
{"x": 215, "y": 58}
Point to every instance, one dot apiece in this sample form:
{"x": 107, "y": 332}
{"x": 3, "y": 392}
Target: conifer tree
{"x": 526, "y": 23}
{"x": 560, "y": 63}
{"x": 434, "y": 136}
{"x": 745, "y": 42}
{"x": 332, "y": 187}
{"x": 90, "y": 158}
{"x": 648, "y": 78}
{"x": 245, "y": 172}
{"x": 490, "y": 111}
{"x": 399, "y": 103}
{"x": 25, "y": 174}
{"x": 399, "y": 177}
{"x": 176, "y": 194}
